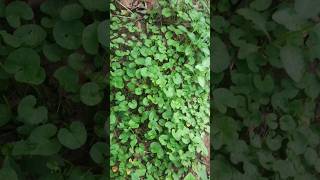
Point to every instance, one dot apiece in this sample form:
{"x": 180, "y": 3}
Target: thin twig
{"x": 125, "y": 7}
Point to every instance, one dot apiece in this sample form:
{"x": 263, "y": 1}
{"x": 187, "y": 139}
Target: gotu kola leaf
{"x": 98, "y": 152}
{"x": 10, "y": 39}
{"x": 24, "y": 63}
{"x": 103, "y": 37}
{"x": 16, "y": 11}
{"x": 42, "y": 141}
{"x": 90, "y": 38}
{"x": 94, "y": 5}
{"x": 74, "y": 136}
{"x": 68, "y": 34}
{"x": 53, "y": 52}
{"x": 71, "y": 12}
{"x": 91, "y": 94}
{"x": 31, "y": 34}
{"x": 30, "y": 114}
{"x": 157, "y": 149}
{"x": 68, "y": 78}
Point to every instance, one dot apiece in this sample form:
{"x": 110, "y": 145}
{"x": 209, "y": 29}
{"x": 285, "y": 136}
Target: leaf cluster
{"x": 266, "y": 86}
{"x": 52, "y": 84}
{"x": 159, "y": 92}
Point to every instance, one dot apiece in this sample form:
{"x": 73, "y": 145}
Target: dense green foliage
{"x": 266, "y": 79}
{"x": 52, "y": 81}
{"x": 160, "y": 91}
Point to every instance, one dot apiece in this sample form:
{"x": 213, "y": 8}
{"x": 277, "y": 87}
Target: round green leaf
{"x": 31, "y": 34}
{"x": 90, "y": 38}
{"x": 287, "y": 123}
{"x": 52, "y": 7}
{"x": 74, "y": 136}
{"x": 53, "y": 52}
{"x": 75, "y": 61}
{"x": 94, "y": 5}
{"x": 98, "y": 152}
{"x": 103, "y": 34}
{"x": 47, "y": 22}
{"x": 91, "y": 94}
{"x": 10, "y": 40}
{"x": 68, "y": 34}
{"x": 29, "y": 113}
{"x": 71, "y": 12}
{"x": 166, "y": 12}
{"x": 157, "y": 149}
{"x": 68, "y": 78}
{"x": 16, "y": 11}
{"x": 24, "y": 63}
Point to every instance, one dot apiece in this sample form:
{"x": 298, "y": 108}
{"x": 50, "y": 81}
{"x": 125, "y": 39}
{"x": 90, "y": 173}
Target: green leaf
{"x": 98, "y": 152}
{"x": 68, "y": 34}
{"x": 256, "y": 18}
{"x": 224, "y": 98}
{"x": 24, "y": 63}
{"x": 53, "y": 52}
{"x": 75, "y": 61}
{"x": 133, "y": 104}
{"x": 43, "y": 140}
{"x": 221, "y": 56}
{"x": 287, "y": 123}
{"x": 265, "y": 85}
{"x": 8, "y": 174}
{"x": 29, "y": 113}
{"x": 52, "y": 7}
{"x": 311, "y": 156}
{"x": 117, "y": 82}
{"x": 288, "y": 18}
{"x": 68, "y": 78}
{"x": 293, "y": 62}
{"x": 31, "y": 34}
{"x": 74, "y": 136}
{"x": 157, "y": 149}
{"x": 189, "y": 177}
{"x": 166, "y": 12}
{"x": 71, "y": 12}
{"x": 94, "y": 5}
{"x": 261, "y": 5}
{"x": 102, "y": 33}
{"x": 285, "y": 168}
{"x": 202, "y": 81}
{"x": 90, "y": 38}
{"x": 91, "y": 94}
{"x": 10, "y": 40}
{"x": 16, "y": 11}
{"x": 307, "y": 8}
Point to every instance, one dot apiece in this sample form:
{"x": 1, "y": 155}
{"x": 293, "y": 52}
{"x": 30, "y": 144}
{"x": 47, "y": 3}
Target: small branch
{"x": 125, "y": 7}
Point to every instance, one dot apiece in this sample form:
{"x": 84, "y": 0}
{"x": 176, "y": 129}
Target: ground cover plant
{"x": 52, "y": 85}
{"x": 266, "y": 79}
{"x": 159, "y": 79}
